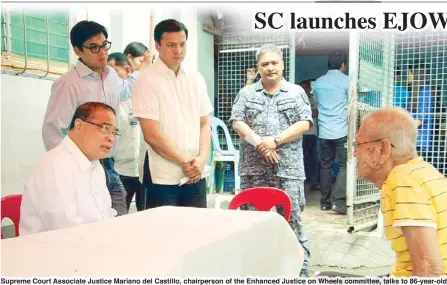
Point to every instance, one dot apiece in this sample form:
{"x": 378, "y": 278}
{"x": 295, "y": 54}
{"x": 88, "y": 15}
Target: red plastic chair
{"x": 11, "y": 209}
{"x": 263, "y": 199}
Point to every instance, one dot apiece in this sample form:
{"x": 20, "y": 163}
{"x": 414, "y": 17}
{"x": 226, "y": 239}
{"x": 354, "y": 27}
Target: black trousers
{"x": 330, "y": 148}
{"x": 187, "y": 195}
{"x": 133, "y": 187}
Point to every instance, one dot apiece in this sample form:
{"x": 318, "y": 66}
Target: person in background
{"x": 310, "y": 142}
{"x": 91, "y": 80}
{"x": 135, "y": 52}
{"x": 401, "y": 96}
{"x": 413, "y": 193}
{"x": 252, "y": 73}
{"x": 422, "y": 105}
{"x": 332, "y": 93}
{"x": 128, "y": 150}
{"x": 68, "y": 187}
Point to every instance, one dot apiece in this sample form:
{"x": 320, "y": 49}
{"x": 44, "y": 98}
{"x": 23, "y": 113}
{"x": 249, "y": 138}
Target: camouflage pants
{"x": 295, "y": 189}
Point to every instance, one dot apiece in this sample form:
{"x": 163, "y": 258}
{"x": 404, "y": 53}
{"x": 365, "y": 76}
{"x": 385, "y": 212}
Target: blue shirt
{"x": 332, "y": 93}
{"x": 426, "y": 113}
{"x": 401, "y": 96}
{"x": 372, "y": 98}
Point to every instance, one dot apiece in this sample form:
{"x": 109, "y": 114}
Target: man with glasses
{"x": 413, "y": 192}
{"x": 91, "y": 80}
{"x": 68, "y": 186}
{"x": 172, "y": 106}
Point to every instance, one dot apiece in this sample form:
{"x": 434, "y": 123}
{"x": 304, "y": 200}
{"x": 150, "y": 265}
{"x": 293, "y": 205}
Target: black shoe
{"x": 338, "y": 210}
{"x": 325, "y": 208}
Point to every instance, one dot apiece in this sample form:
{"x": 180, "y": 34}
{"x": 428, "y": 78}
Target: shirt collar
{"x": 83, "y": 162}
{"x": 164, "y": 69}
{"x": 416, "y": 160}
{"x": 84, "y": 70}
{"x": 333, "y": 71}
{"x": 283, "y": 88}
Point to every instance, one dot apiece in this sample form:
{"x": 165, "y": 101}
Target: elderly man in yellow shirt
{"x": 413, "y": 192}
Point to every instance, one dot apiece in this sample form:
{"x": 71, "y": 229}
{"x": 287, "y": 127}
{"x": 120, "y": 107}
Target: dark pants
{"x": 329, "y": 149}
{"x": 187, "y": 195}
{"x": 311, "y": 164}
{"x": 133, "y": 187}
{"x": 115, "y": 186}
{"x": 147, "y": 179}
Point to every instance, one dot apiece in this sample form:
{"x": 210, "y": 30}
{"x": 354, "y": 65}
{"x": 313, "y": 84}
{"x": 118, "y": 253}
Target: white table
{"x": 166, "y": 241}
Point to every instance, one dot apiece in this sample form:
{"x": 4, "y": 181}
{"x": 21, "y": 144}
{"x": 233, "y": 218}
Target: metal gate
{"x": 371, "y": 61}
{"x": 236, "y": 53}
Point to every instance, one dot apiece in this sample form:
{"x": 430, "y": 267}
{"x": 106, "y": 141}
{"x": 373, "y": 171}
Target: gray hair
{"x": 394, "y": 124}
{"x": 268, "y": 48}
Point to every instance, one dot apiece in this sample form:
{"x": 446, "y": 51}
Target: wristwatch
{"x": 277, "y": 140}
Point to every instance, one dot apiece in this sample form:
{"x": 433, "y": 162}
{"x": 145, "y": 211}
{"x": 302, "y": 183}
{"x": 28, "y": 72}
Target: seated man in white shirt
{"x": 68, "y": 186}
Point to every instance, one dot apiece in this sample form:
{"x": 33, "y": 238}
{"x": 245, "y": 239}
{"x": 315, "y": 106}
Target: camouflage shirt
{"x": 269, "y": 115}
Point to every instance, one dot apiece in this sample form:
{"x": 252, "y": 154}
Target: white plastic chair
{"x": 220, "y": 155}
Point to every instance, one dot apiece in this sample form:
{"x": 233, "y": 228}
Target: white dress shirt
{"x": 128, "y": 150}
{"x": 64, "y": 190}
{"x": 177, "y": 102}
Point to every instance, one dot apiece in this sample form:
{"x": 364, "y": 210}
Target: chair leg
{"x": 217, "y": 202}
{"x": 221, "y": 177}
{"x": 237, "y": 178}
{"x": 211, "y": 179}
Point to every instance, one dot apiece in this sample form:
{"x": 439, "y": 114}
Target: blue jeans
{"x": 115, "y": 186}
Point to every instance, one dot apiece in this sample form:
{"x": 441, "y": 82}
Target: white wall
{"x": 136, "y": 27}
{"x": 189, "y": 18}
{"x": 23, "y": 106}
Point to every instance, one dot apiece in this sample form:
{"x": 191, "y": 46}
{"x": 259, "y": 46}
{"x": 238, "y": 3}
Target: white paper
{"x": 253, "y": 139}
{"x": 205, "y": 173}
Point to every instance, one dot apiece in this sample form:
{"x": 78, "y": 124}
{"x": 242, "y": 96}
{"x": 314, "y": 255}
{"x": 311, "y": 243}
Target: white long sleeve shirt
{"x": 64, "y": 190}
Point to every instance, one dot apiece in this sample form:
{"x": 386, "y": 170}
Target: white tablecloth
{"x": 166, "y": 241}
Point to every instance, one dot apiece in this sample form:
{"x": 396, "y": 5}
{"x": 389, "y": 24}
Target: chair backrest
{"x": 215, "y": 123}
{"x": 11, "y": 209}
{"x": 263, "y": 199}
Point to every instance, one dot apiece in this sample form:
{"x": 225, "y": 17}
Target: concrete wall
{"x": 23, "y": 106}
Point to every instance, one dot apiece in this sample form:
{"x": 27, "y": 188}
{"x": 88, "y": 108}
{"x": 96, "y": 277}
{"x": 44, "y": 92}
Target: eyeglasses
{"x": 95, "y": 48}
{"x": 356, "y": 145}
{"x": 106, "y": 129}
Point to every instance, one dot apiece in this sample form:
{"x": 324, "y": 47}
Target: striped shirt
{"x": 414, "y": 194}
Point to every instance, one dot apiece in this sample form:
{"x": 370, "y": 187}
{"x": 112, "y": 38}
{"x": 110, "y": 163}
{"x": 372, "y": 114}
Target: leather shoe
{"x": 325, "y": 208}
{"x": 338, "y": 210}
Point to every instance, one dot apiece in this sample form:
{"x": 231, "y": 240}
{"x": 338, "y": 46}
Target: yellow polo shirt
{"x": 414, "y": 194}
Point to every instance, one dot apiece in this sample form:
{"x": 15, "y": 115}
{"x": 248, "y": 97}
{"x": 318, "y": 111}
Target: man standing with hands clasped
{"x": 271, "y": 116}
{"x": 172, "y": 106}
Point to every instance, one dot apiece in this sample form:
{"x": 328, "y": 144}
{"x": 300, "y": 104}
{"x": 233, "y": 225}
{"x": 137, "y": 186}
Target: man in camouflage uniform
{"x": 271, "y": 116}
